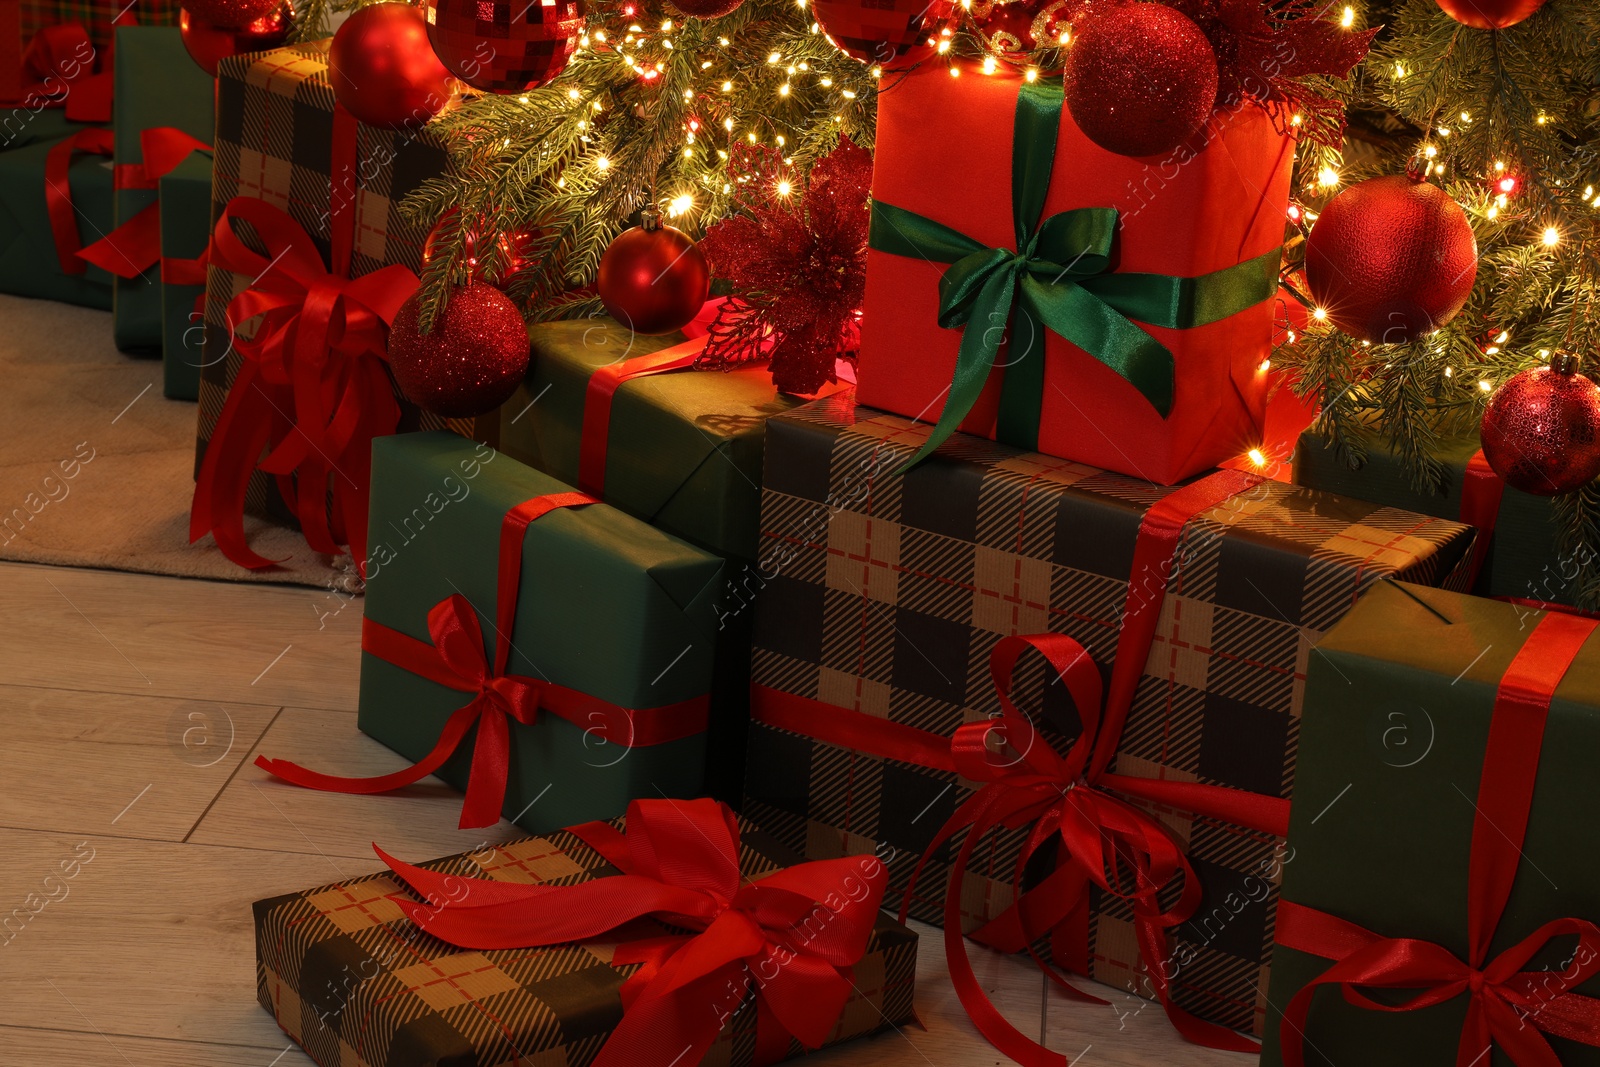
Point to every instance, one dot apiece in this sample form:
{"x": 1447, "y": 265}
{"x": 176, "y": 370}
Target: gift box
{"x": 46, "y": 44}
{"x": 55, "y": 198}
{"x": 1442, "y": 866}
{"x": 355, "y": 973}
{"x": 185, "y": 198}
{"x": 21, "y": 126}
{"x": 890, "y": 601}
{"x": 1521, "y": 560}
{"x": 596, "y": 639}
{"x": 1132, "y": 336}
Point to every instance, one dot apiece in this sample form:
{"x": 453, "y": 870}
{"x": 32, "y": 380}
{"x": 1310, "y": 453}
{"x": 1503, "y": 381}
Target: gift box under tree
{"x": 542, "y": 650}
{"x": 886, "y": 596}
{"x": 1443, "y": 876}
{"x": 58, "y": 53}
{"x": 56, "y": 198}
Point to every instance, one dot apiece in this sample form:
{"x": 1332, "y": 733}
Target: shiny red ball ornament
{"x": 707, "y": 9}
{"x": 653, "y": 278}
{"x": 384, "y": 71}
{"x": 1141, "y": 78}
{"x": 516, "y": 248}
{"x": 1391, "y": 259}
{"x": 503, "y": 47}
{"x": 473, "y": 360}
{"x": 230, "y": 14}
{"x": 1490, "y": 14}
{"x": 898, "y": 32}
{"x": 209, "y": 45}
{"x": 1541, "y": 430}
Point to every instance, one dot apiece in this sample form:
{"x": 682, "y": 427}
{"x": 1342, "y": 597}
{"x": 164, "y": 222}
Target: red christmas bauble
{"x": 1541, "y": 430}
{"x": 892, "y": 31}
{"x": 209, "y": 45}
{"x": 706, "y": 9}
{"x": 653, "y": 280}
{"x": 516, "y": 248}
{"x": 1490, "y": 14}
{"x": 384, "y": 71}
{"x": 473, "y": 360}
{"x": 1141, "y": 78}
{"x": 1391, "y": 259}
{"x": 230, "y": 14}
{"x": 505, "y": 47}
{"x": 1008, "y": 29}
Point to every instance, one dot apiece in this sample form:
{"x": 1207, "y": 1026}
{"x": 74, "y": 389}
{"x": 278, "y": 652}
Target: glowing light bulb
{"x": 1552, "y": 236}
{"x": 784, "y": 188}
{"x": 602, "y": 163}
{"x": 1348, "y": 18}
{"x": 1320, "y": 314}
{"x": 1257, "y": 457}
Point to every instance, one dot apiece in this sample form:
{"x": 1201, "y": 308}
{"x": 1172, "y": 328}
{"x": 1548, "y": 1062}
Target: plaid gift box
{"x": 357, "y": 984}
{"x": 884, "y": 595}
{"x": 99, "y": 17}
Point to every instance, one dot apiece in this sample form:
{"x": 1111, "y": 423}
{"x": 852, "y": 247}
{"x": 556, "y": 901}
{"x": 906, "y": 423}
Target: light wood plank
{"x": 61, "y": 1048}
{"x": 131, "y": 766}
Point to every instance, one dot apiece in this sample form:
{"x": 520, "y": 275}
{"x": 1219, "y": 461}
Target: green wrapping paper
{"x": 608, "y": 606}
{"x": 185, "y": 230}
{"x": 156, "y": 84}
{"x": 1398, "y": 701}
{"x": 21, "y": 125}
{"x": 29, "y": 265}
{"x": 1523, "y": 561}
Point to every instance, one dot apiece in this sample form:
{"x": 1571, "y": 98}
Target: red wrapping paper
{"x": 944, "y": 150}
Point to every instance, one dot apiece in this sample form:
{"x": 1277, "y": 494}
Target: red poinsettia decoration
{"x": 796, "y": 257}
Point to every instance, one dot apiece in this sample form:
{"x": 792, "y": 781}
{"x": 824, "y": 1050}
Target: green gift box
{"x": 608, "y": 608}
{"x": 156, "y": 84}
{"x": 1399, "y": 700}
{"x": 22, "y": 125}
{"x": 29, "y": 262}
{"x": 1523, "y": 559}
{"x": 185, "y": 231}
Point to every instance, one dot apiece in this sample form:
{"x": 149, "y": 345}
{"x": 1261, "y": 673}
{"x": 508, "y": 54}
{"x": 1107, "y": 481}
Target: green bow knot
{"x": 1060, "y": 278}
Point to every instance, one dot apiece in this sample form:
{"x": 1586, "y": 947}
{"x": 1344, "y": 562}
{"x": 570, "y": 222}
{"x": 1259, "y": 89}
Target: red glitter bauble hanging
{"x": 516, "y": 249}
{"x": 473, "y": 360}
{"x": 707, "y": 9}
{"x": 1490, "y": 14}
{"x": 1391, "y": 259}
{"x": 230, "y": 14}
{"x": 505, "y": 47}
{"x": 653, "y": 278}
{"x": 897, "y": 32}
{"x": 209, "y": 45}
{"x": 1141, "y": 78}
{"x": 384, "y": 71}
{"x": 1541, "y": 430}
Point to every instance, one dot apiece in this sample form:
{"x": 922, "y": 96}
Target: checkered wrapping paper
{"x": 96, "y": 16}
{"x": 274, "y": 141}
{"x": 885, "y": 595}
{"x": 356, "y": 984}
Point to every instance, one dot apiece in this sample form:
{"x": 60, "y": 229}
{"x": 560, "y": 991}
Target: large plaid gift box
{"x": 357, "y": 983}
{"x": 1444, "y": 838}
{"x": 884, "y": 596}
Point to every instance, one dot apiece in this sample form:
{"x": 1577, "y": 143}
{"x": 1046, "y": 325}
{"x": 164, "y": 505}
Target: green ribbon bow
{"x": 1058, "y": 277}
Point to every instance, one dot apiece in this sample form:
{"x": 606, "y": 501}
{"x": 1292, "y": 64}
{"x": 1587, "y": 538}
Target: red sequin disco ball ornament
{"x": 505, "y": 46}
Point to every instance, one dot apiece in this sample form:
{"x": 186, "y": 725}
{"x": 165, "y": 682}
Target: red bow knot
{"x": 792, "y": 936}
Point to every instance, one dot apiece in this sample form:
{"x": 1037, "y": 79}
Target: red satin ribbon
{"x": 1481, "y": 492}
{"x": 793, "y": 936}
{"x": 1508, "y": 1006}
{"x": 312, "y": 389}
{"x": 456, "y": 659}
{"x": 58, "y": 193}
{"x": 135, "y": 246}
{"x": 185, "y": 271}
{"x": 54, "y": 65}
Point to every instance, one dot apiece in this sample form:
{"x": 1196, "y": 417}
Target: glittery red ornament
{"x": 653, "y": 279}
{"x": 1008, "y": 29}
{"x": 895, "y": 32}
{"x": 505, "y": 47}
{"x": 516, "y": 248}
{"x": 1541, "y": 430}
{"x": 1141, "y": 78}
{"x": 1490, "y": 14}
{"x": 383, "y": 69}
{"x": 209, "y": 45}
{"x": 706, "y": 9}
{"x": 230, "y": 14}
{"x": 472, "y": 361}
{"x": 1391, "y": 259}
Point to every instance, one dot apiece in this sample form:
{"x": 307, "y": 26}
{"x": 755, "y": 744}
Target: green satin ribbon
{"x": 1057, "y": 278}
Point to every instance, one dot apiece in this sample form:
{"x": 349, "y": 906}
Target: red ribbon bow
{"x": 135, "y": 246}
{"x": 58, "y": 193}
{"x": 1508, "y": 1006}
{"x": 793, "y": 935}
{"x": 313, "y": 388}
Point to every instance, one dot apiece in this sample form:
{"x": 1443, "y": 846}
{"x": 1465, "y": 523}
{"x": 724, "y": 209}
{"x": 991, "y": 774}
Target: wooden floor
{"x": 132, "y": 707}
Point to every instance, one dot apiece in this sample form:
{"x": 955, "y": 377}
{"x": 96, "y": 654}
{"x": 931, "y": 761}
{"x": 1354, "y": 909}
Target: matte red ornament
{"x": 1541, "y": 430}
{"x": 898, "y": 32}
{"x": 505, "y": 46}
{"x": 384, "y": 71}
{"x": 653, "y": 279}
{"x": 230, "y": 14}
{"x": 1490, "y": 14}
{"x": 1141, "y": 78}
{"x": 707, "y": 9}
{"x": 209, "y": 45}
{"x": 1391, "y": 259}
{"x": 473, "y": 360}
{"x": 516, "y": 248}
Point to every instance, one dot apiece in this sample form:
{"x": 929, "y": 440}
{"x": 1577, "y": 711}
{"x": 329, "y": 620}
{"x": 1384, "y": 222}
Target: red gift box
{"x": 945, "y": 152}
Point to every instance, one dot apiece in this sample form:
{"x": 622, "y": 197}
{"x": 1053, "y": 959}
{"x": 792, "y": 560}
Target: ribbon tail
{"x": 241, "y": 433}
{"x": 449, "y": 739}
{"x": 1109, "y": 336}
